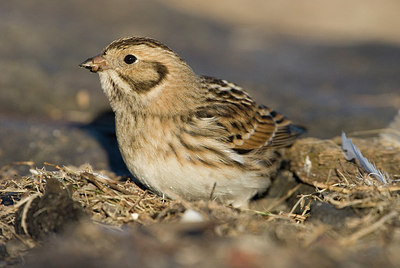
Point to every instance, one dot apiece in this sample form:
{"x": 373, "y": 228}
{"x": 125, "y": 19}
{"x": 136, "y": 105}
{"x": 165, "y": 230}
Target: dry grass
{"x": 111, "y": 202}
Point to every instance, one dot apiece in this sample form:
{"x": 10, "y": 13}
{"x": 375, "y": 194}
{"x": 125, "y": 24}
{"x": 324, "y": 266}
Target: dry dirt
{"x": 70, "y": 216}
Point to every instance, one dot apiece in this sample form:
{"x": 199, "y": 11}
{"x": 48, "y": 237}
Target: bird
{"x": 186, "y": 136}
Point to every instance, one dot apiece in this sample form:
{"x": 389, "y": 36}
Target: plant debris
{"x": 55, "y": 209}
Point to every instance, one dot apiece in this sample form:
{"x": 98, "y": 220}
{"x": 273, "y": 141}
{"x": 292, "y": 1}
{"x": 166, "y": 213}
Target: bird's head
{"x": 141, "y": 71}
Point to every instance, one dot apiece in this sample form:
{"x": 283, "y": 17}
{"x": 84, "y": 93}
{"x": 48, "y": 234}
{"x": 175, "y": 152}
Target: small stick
{"x": 138, "y": 201}
{"x": 334, "y": 188}
{"x": 113, "y": 184}
{"x": 90, "y": 177}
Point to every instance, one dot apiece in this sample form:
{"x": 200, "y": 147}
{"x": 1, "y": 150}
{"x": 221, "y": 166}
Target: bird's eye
{"x": 129, "y": 59}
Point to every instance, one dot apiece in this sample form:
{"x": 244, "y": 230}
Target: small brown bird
{"x": 188, "y": 136}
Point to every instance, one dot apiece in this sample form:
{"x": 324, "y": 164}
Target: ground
{"x": 76, "y": 216}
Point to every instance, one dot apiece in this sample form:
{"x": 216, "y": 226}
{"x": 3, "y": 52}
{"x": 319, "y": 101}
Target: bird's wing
{"x": 248, "y": 126}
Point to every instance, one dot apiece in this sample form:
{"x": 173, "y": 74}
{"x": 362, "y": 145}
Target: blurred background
{"x": 327, "y": 65}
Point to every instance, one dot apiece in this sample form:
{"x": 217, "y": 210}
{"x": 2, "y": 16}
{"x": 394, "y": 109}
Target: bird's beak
{"x": 95, "y": 64}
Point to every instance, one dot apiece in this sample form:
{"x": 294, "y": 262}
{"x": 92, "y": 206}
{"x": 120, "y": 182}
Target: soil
{"x": 74, "y": 216}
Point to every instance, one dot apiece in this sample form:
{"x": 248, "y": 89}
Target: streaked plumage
{"x": 188, "y": 136}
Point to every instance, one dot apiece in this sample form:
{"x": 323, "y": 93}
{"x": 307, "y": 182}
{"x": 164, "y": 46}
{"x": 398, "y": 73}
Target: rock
{"x": 317, "y": 161}
{"x": 51, "y": 213}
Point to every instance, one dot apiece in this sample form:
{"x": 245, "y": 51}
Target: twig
{"x": 380, "y": 189}
{"x": 301, "y": 199}
{"x": 138, "y": 201}
{"x": 25, "y": 212}
{"x": 93, "y": 179}
{"x": 359, "y": 203}
{"x": 113, "y": 184}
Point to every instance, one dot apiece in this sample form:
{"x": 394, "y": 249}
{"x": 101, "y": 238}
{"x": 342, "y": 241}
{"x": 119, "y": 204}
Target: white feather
{"x": 352, "y": 152}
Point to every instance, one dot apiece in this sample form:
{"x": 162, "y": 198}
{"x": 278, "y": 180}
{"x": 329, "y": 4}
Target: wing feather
{"x": 248, "y": 126}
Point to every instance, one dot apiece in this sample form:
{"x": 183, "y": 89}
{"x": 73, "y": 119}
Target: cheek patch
{"x": 143, "y": 83}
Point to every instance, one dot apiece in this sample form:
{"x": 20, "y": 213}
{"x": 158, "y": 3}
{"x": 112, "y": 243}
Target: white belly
{"x": 192, "y": 182}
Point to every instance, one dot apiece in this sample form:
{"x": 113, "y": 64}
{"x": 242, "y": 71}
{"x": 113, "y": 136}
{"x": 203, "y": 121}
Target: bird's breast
{"x": 173, "y": 158}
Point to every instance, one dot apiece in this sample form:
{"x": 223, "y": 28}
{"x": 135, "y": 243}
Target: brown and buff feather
{"x": 248, "y": 126}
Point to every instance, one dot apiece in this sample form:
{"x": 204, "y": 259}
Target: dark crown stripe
{"x": 135, "y": 41}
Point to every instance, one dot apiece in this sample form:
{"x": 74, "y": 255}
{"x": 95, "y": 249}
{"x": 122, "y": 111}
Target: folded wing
{"x": 248, "y": 125}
